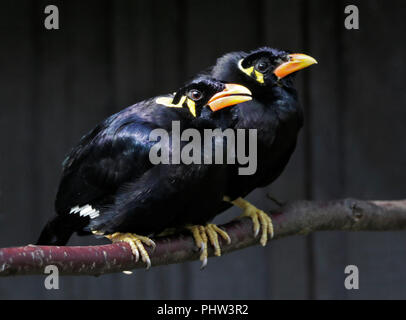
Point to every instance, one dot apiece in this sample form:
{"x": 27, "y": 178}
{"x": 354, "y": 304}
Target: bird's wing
{"x": 166, "y": 196}
{"x": 115, "y": 152}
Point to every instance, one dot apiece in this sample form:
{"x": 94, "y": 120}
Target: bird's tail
{"x": 56, "y": 232}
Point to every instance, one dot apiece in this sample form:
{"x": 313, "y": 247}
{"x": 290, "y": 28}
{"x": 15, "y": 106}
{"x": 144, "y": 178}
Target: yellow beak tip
{"x": 297, "y": 62}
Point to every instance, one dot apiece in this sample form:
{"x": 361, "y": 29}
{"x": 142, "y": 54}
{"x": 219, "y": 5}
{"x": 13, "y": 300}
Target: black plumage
{"x": 109, "y": 184}
{"x": 274, "y": 111}
{"x": 110, "y": 187}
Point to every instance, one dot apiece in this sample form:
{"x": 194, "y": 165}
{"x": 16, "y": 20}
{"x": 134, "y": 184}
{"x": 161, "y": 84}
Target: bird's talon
{"x": 152, "y": 245}
{"x": 270, "y": 228}
{"x": 148, "y": 262}
{"x": 204, "y": 264}
{"x": 264, "y": 239}
{"x": 136, "y": 253}
{"x": 260, "y": 220}
{"x": 256, "y": 232}
{"x": 136, "y": 244}
{"x": 222, "y": 233}
{"x": 209, "y": 233}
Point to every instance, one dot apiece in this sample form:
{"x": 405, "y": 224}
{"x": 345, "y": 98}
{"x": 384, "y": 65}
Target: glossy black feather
{"x": 275, "y": 112}
{"x": 110, "y": 170}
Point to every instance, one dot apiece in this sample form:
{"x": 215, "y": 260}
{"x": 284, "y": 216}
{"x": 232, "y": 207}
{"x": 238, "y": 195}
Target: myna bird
{"x": 274, "y": 111}
{"x": 109, "y": 186}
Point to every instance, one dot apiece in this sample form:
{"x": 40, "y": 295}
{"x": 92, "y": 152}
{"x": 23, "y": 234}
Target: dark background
{"x": 56, "y": 85}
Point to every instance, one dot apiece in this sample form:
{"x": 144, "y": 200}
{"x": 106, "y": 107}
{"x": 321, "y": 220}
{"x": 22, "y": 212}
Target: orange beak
{"x": 296, "y": 62}
{"x": 232, "y": 94}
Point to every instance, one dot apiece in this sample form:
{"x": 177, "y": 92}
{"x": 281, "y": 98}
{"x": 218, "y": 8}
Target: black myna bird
{"x": 274, "y": 111}
{"x": 110, "y": 187}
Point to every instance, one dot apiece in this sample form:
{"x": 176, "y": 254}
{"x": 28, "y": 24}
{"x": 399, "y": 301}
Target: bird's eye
{"x": 195, "y": 95}
{"x": 262, "y": 66}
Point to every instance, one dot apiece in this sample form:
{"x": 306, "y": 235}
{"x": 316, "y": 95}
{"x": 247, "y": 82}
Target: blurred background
{"x": 55, "y": 85}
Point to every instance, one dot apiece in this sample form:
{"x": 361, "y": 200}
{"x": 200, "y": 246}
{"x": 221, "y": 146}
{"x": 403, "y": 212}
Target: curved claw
{"x": 271, "y": 231}
{"x": 147, "y": 260}
{"x": 255, "y": 223}
{"x": 222, "y": 233}
{"x": 136, "y": 243}
{"x": 260, "y": 220}
{"x": 202, "y": 247}
{"x": 135, "y": 252}
{"x": 204, "y": 264}
{"x": 203, "y": 234}
{"x": 152, "y": 244}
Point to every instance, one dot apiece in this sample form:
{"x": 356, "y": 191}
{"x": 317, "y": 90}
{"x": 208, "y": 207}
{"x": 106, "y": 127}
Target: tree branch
{"x": 298, "y": 218}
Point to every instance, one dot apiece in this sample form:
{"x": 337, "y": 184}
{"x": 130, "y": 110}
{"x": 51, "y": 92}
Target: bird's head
{"x": 204, "y": 91}
{"x": 262, "y": 67}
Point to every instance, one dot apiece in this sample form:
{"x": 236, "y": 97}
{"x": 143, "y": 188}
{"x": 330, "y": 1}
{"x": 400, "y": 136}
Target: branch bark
{"x": 297, "y": 218}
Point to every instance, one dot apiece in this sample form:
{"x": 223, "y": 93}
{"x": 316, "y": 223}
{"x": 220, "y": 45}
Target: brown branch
{"x": 298, "y": 218}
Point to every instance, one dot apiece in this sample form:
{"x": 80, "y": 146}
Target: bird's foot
{"x": 259, "y": 219}
{"x": 136, "y": 243}
{"x": 203, "y": 234}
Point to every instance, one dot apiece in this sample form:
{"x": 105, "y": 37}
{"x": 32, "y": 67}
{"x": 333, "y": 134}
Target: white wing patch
{"x": 84, "y": 211}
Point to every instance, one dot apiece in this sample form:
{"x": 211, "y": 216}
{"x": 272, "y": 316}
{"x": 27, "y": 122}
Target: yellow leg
{"x": 136, "y": 243}
{"x": 259, "y": 219}
{"x": 203, "y": 234}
